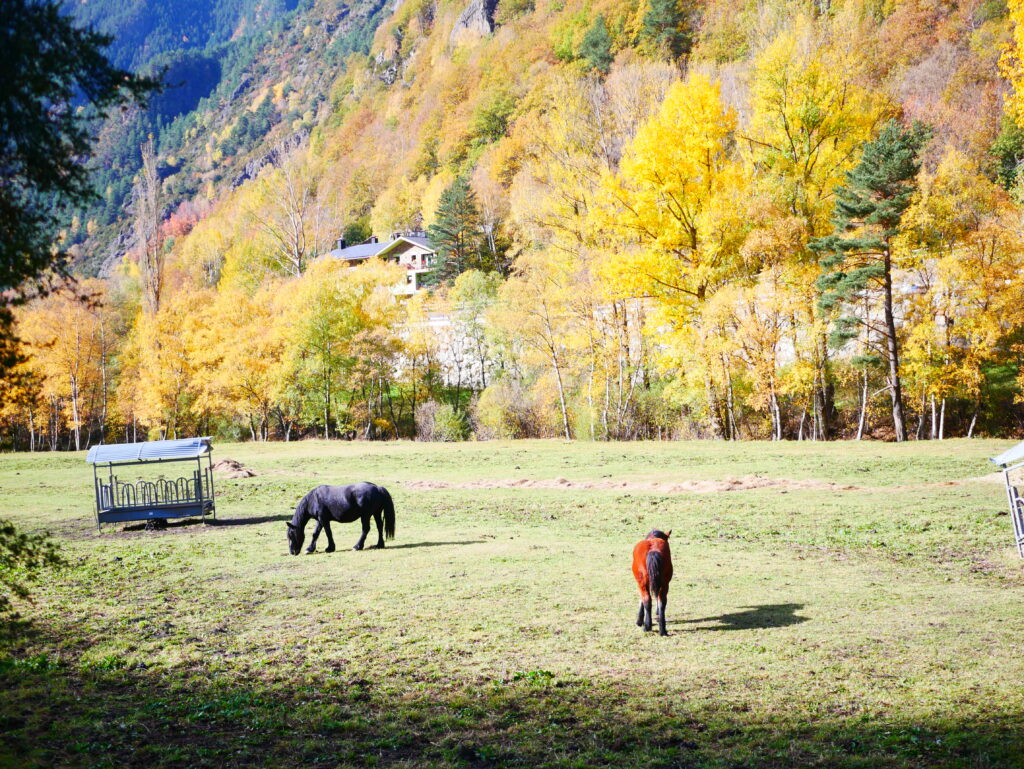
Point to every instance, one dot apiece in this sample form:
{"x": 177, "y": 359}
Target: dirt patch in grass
{"x": 745, "y": 483}
{"x": 707, "y": 486}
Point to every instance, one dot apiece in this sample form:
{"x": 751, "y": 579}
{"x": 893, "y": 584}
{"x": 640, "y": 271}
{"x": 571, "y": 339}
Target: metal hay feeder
{"x": 142, "y": 500}
{"x": 1010, "y": 461}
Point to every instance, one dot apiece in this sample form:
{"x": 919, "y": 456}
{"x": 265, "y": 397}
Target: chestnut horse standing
{"x": 652, "y": 567}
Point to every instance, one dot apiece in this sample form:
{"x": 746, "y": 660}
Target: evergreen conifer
{"x": 596, "y": 47}
{"x": 857, "y": 257}
{"x": 455, "y": 233}
{"x": 667, "y": 28}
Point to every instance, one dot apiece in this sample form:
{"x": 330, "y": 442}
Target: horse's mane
{"x": 657, "y": 534}
{"x": 302, "y": 509}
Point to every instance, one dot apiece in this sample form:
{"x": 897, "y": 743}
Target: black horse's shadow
{"x": 752, "y": 618}
{"x": 248, "y": 521}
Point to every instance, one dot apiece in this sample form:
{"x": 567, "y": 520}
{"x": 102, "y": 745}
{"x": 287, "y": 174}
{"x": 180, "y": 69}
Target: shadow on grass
{"x": 250, "y": 521}
{"x": 74, "y": 714}
{"x": 172, "y": 523}
{"x": 434, "y": 544}
{"x": 754, "y": 617}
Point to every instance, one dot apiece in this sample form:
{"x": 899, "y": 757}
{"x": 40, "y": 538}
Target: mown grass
{"x": 873, "y": 627}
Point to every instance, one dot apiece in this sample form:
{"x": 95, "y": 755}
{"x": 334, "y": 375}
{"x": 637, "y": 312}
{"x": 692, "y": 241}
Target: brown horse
{"x": 652, "y": 567}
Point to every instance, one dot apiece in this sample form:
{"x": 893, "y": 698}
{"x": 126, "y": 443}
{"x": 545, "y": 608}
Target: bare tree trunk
{"x": 891, "y": 344}
{"x": 327, "y": 407}
{"x": 776, "y": 415}
{"x": 816, "y": 408}
{"x": 103, "y": 380}
{"x": 74, "y": 413}
{"x": 146, "y": 205}
{"x": 590, "y": 394}
{"x": 714, "y": 420}
{"x": 862, "y": 420}
{"x": 942, "y": 420}
{"x": 730, "y": 410}
{"x": 606, "y": 405}
{"x": 561, "y": 394}
{"x": 935, "y": 420}
{"x": 822, "y": 424}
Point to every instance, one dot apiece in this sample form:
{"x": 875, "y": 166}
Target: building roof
{"x": 414, "y": 239}
{"x": 360, "y": 251}
{"x": 366, "y": 250}
{"x": 1010, "y": 456}
{"x": 184, "y": 448}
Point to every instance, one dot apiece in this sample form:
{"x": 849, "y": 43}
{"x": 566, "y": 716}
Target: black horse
{"x": 344, "y": 504}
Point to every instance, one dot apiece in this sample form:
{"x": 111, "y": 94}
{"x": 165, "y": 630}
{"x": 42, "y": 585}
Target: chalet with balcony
{"x": 410, "y": 250}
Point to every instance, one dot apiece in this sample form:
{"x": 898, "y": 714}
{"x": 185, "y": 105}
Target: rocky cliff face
{"x": 475, "y": 22}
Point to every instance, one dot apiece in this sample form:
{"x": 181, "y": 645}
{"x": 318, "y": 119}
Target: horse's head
{"x": 657, "y": 534}
{"x": 295, "y": 537}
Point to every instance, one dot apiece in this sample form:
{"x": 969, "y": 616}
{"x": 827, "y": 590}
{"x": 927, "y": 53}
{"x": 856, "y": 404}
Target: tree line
{"x": 635, "y": 254}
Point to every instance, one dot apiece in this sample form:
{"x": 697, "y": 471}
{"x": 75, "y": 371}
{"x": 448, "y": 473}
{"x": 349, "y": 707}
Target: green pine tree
{"x": 1008, "y": 152}
{"x": 857, "y": 257}
{"x": 667, "y": 28}
{"x": 596, "y": 47}
{"x": 455, "y": 233}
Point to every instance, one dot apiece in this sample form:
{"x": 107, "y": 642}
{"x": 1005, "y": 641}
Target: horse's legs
{"x": 366, "y": 530}
{"x": 640, "y": 616}
{"x": 380, "y": 528}
{"x": 647, "y": 611}
{"x": 662, "y": 600}
{"x": 330, "y": 538}
{"x": 316, "y": 533}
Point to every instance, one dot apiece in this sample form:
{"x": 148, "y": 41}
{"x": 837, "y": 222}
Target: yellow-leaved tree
{"x": 69, "y": 343}
{"x": 969, "y": 303}
{"x": 340, "y": 328}
{"x": 808, "y": 122}
{"x": 1012, "y": 62}
{"x": 237, "y": 356}
{"x": 677, "y": 212}
{"x": 533, "y": 309}
{"x": 161, "y": 386}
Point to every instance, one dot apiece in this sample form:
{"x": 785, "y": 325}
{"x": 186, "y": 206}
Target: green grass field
{"x": 861, "y": 608}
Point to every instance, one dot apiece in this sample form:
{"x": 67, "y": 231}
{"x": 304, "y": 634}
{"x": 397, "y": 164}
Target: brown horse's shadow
{"x": 751, "y": 618}
{"x": 434, "y": 544}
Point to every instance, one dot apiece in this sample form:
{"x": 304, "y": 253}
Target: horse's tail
{"x": 654, "y": 573}
{"x": 389, "y": 515}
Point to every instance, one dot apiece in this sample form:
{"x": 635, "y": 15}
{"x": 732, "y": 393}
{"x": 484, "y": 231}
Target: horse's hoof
{"x": 639, "y": 623}
{"x": 358, "y": 547}
{"x": 310, "y": 550}
{"x": 329, "y": 549}
{"x": 662, "y": 632}
{"x": 379, "y": 546}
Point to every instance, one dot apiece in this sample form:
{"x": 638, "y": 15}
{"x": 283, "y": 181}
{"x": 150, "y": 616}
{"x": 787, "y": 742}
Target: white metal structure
{"x": 1011, "y": 461}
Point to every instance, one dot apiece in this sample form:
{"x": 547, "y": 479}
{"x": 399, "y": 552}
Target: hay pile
{"x": 232, "y": 468}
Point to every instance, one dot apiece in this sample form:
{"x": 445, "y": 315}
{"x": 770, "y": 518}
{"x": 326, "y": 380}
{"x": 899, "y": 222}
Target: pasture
{"x": 839, "y": 605}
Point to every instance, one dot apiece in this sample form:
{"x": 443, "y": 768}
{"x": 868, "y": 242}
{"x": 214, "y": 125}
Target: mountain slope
{"x": 453, "y": 87}
{"x": 212, "y": 121}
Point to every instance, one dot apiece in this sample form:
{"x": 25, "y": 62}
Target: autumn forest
{"x": 653, "y": 220}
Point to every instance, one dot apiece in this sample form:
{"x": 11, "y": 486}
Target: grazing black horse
{"x": 344, "y": 504}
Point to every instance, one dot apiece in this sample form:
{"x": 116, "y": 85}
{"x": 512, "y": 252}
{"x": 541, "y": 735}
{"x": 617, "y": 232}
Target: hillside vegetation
{"x": 657, "y": 219}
